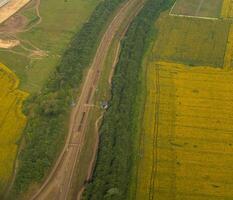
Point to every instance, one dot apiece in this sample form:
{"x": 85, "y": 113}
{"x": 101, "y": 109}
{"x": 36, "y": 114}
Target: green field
{"x": 191, "y": 41}
{"x": 60, "y": 21}
{"x": 198, "y": 8}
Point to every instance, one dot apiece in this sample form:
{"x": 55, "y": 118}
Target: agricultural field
{"x": 227, "y": 9}
{"x": 198, "y": 8}
{"x": 12, "y": 122}
{"x": 191, "y": 41}
{"x": 186, "y": 149}
{"x": 44, "y": 29}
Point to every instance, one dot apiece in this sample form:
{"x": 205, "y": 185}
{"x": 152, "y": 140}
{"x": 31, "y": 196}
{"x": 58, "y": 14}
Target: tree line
{"x": 48, "y": 111}
{"x": 113, "y": 171}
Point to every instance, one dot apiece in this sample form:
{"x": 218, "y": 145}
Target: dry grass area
{"x": 198, "y": 8}
{"x": 11, "y": 8}
{"x": 12, "y": 122}
{"x": 191, "y": 41}
{"x": 187, "y": 136}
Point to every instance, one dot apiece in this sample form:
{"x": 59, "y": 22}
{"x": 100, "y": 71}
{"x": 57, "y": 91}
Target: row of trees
{"x": 112, "y": 174}
{"x": 48, "y": 111}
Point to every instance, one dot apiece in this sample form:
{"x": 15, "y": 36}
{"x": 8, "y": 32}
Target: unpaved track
{"x": 6, "y": 44}
{"x": 58, "y": 183}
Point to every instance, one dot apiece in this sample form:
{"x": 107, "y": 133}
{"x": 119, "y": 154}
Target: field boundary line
{"x": 193, "y": 16}
{"x": 170, "y": 13}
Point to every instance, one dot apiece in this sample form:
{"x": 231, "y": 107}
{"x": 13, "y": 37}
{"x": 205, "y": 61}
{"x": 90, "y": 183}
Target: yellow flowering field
{"x": 227, "y": 9}
{"x": 186, "y": 145}
{"x": 12, "y": 122}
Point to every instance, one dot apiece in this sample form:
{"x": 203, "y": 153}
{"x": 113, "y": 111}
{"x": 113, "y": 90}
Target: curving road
{"x": 58, "y": 183}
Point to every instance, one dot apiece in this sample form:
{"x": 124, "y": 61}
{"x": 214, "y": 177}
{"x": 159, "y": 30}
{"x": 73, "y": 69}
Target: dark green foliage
{"x": 48, "y": 111}
{"x": 115, "y": 157}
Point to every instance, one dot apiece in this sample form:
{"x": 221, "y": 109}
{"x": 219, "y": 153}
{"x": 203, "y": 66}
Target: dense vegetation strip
{"x": 47, "y": 111}
{"x": 115, "y": 157}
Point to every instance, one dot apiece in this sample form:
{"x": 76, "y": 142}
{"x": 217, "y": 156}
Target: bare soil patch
{"x": 11, "y": 8}
{"x": 6, "y": 44}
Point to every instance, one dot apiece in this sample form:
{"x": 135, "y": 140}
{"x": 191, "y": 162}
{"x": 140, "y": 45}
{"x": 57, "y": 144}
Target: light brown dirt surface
{"x": 6, "y": 44}
{"x": 58, "y": 183}
{"x": 11, "y": 8}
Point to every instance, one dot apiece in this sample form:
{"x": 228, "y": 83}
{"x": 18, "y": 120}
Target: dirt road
{"x": 58, "y": 183}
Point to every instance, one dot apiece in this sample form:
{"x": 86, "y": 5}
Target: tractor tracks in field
{"x": 155, "y": 138}
{"x": 155, "y": 131}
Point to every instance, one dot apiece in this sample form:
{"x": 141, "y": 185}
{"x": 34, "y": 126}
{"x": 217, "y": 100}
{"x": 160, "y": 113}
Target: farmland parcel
{"x": 12, "y": 122}
{"x": 185, "y": 149}
{"x": 187, "y": 140}
{"x": 197, "y": 8}
{"x": 191, "y": 41}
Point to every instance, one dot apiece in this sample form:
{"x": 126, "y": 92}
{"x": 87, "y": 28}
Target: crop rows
{"x": 194, "y": 138}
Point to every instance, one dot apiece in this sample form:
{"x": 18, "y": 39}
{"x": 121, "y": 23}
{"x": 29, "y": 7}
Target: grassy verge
{"x": 115, "y": 157}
